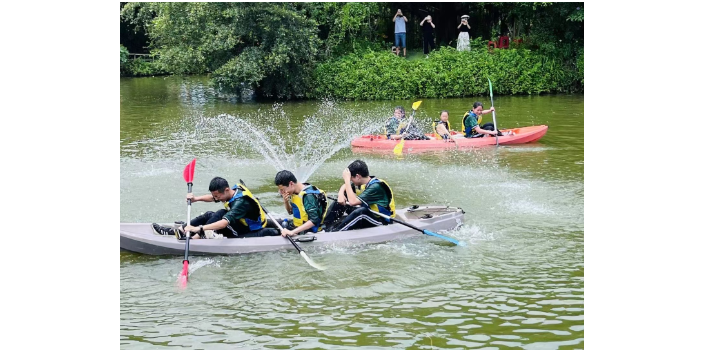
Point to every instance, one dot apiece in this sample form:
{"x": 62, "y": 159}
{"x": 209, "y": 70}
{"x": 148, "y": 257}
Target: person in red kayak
{"x": 441, "y": 128}
{"x": 397, "y": 127}
{"x": 472, "y": 119}
{"x": 242, "y": 216}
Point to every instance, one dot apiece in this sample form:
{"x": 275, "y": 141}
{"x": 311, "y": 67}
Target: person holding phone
{"x": 428, "y": 27}
{"x": 463, "y": 38}
{"x": 400, "y": 31}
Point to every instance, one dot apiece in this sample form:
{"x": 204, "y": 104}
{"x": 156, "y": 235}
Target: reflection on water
{"x": 518, "y": 284}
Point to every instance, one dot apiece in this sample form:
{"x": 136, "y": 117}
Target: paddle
{"x": 493, "y": 113}
{"x": 188, "y": 176}
{"x": 398, "y": 149}
{"x": 300, "y": 251}
{"x": 427, "y": 232}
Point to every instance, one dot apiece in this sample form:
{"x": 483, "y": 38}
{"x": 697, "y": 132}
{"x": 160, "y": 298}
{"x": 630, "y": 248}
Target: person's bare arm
{"x": 220, "y": 224}
{"x": 203, "y": 198}
{"x": 488, "y": 111}
{"x": 351, "y": 196}
{"x": 341, "y": 195}
{"x": 306, "y": 226}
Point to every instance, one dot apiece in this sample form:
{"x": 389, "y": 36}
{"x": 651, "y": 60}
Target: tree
{"x": 268, "y": 47}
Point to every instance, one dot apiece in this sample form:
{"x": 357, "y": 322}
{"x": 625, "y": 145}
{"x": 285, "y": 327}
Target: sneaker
{"x": 166, "y": 231}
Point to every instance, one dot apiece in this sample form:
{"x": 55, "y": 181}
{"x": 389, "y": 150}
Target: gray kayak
{"x": 140, "y": 238}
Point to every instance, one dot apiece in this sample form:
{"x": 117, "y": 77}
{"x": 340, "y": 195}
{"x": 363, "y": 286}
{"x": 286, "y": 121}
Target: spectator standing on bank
{"x": 400, "y": 31}
{"x": 463, "y": 38}
{"x": 428, "y": 42}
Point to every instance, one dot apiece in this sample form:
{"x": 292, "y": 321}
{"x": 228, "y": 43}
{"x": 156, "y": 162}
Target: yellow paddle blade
{"x": 398, "y": 149}
{"x": 416, "y": 105}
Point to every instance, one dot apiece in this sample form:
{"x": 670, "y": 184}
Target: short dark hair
{"x": 448, "y": 113}
{"x": 284, "y": 177}
{"x": 218, "y": 184}
{"x": 358, "y": 167}
{"x": 477, "y": 104}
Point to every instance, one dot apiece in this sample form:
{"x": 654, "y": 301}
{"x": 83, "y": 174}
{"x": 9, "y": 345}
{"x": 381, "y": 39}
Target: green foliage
{"x": 140, "y": 67}
{"x": 348, "y": 27}
{"x": 580, "y": 64}
{"x": 446, "y": 73}
{"x": 123, "y": 55}
{"x": 270, "y": 47}
{"x": 295, "y": 50}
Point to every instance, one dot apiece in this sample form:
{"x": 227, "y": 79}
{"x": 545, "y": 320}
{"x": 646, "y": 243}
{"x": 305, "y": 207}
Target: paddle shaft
{"x": 281, "y": 229}
{"x": 427, "y": 232}
{"x": 278, "y": 225}
{"x": 410, "y": 121}
{"x": 188, "y": 221}
{"x": 493, "y": 113}
{"x": 384, "y": 216}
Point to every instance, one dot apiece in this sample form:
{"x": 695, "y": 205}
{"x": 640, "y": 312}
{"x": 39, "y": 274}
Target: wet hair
{"x": 476, "y": 104}
{"x": 358, "y": 167}
{"x": 218, "y": 184}
{"x": 403, "y": 111}
{"x": 284, "y": 178}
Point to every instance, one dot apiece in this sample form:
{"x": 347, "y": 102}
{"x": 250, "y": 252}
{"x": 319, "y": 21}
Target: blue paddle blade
{"x": 459, "y": 243}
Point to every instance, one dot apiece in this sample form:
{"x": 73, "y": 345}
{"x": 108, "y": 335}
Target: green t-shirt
{"x": 376, "y": 194}
{"x": 469, "y": 123}
{"x": 313, "y": 209}
{"x": 242, "y": 208}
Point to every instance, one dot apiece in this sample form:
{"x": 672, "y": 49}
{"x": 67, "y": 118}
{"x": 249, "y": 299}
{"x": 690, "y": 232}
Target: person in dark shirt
{"x": 472, "y": 119}
{"x": 428, "y": 42}
{"x": 304, "y": 201}
{"x": 368, "y": 192}
{"x": 242, "y": 216}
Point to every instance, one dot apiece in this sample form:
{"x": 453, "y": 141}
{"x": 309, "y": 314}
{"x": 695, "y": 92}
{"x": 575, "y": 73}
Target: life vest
{"x": 391, "y": 212}
{"x": 253, "y": 224}
{"x": 300, "y": 216}
{"x": 437, "y": 123}
{"x": 399, "y": 129}
{"x": 464, "y": 129}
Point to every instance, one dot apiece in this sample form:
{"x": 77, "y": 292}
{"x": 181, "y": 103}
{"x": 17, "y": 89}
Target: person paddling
{"x": 304, "y": 201}
{"x": 472, "y": 119}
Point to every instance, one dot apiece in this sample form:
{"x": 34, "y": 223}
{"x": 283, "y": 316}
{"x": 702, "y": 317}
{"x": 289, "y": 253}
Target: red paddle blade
{"x": 183, "y": 276}
{"x": 188, "y": 171}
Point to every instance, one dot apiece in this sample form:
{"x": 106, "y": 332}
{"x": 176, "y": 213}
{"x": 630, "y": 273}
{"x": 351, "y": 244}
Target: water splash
{"x": 199, "y": 264}
{"x": 286, "y": 142}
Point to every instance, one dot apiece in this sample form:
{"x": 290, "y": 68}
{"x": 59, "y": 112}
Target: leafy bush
{"x": 445, "y": 73}
{"x": 123, "y": 55}
{"x": 580, "y": 64}
{"x": 140, "y": 67}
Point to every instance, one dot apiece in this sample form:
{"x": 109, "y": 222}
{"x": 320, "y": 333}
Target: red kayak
{"x": 511, "y": 136}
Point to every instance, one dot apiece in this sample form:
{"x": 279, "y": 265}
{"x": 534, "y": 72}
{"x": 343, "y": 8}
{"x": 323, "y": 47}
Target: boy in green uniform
{"x": 369, "y": 192}
{"x": 304, "y": 201}
{"x": 242, "y": 216}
